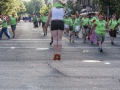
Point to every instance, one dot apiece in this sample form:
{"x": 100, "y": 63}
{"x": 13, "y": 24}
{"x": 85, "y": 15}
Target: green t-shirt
{"x": 85, "y": 21}
{"x": 95, "y": 18}
{"x": 112, "y": 23}
{"x": 100, "y": 27}
{"x": 39, "y": 19}
{"x": 118, "y": 21}
{"x": 34, "y": 19}
{"x": 67, "y": 21}
{"x": 71, "y": 21}
{"x": 44, "y": 18}
{"x": 4, "y": 24}
{"x": 13, "y": 21}
{"x": 77, "y": 21}
{"x": 91, "y": 22}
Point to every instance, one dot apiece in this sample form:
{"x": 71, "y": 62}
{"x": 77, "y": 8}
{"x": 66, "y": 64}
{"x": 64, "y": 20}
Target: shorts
{"x": 66, "y": 26}
{"x": 112, "y": 33}
{"x": 13, "y": 27}
{"x": 77, "y": 28}
{"x": 43, "y": 24}
{"x": 57, "y": 25}
{"x": 100, "y": 37}
{"x": 85, "y": 31}
{"x": 71, "y": 28}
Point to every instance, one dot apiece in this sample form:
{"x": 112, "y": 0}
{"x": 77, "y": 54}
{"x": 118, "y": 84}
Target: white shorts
{"x": 66, "y": 26}
{"x": 77, "y": 28}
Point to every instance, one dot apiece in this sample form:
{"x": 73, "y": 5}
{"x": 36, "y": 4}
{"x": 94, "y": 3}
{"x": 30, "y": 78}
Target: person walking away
{"x": 13, "y": 22}
{"x": 72, "y": 32}
{"x": 4, "y": 28}
{"x": 113, "y": 30}
{"x": 100, "y": 29}
{"x": 66, "y": 24}
{"x": 44, "y": 19}
{"x": 57, "y": 27}
{"x": 84, "y": 27}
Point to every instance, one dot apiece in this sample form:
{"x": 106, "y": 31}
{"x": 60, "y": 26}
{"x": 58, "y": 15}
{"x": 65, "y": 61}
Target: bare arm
{"x": 49, "y": 17}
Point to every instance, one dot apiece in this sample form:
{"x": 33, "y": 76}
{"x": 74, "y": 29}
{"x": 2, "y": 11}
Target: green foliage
{"x": 11, "y": 6}
{"x": 34, "y": 6}
{"x": 73, "y": 6}
{"x": 114, "y": 6}
{"x": 45, "y": 8}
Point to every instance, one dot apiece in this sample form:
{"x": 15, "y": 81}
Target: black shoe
{"x": 100, "y": 49}
{"x": 13, "y": 36}
{"x": 77, "y": 36}
{"x": 44, "y": 34}
{"x": 70, "y": 40}
{"x": 51, "y": 42}
{"x": 112, "y": 43}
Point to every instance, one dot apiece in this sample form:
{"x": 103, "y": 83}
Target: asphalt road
{"x": 26, "y": 63}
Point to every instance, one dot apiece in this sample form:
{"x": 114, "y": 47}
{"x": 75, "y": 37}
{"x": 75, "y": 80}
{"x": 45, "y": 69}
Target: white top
{"x": 57, "y": 13}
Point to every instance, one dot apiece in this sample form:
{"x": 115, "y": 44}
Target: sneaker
{"x": 70, "y": 40}
{"x": 112, "y": 43}
{"x": 51, "y": 42}
{"x": 77, "y": 36}
{"x": 100, "y": 50}
{"x": 73, "y": 41}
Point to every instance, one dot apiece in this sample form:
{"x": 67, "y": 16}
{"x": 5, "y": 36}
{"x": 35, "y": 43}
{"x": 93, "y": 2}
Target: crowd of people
{"x": 4, "y": 20}
{"x": 93, "y": 27}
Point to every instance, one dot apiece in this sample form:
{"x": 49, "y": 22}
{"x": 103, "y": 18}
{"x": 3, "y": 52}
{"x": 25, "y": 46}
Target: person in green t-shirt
{"x": 100, "y": 29}
{"x": 113, "y": 30}
{"x": 66, "y": 24}
{"x": 4, "y": 28}
{"x": 44, "y": 20}
{"x": 39, "y": 20}
{"x": 77, "y": 25}
{"x": 84, "y": 27}
{"x": 72, "y": 32}
{"x": 13, "y": 21}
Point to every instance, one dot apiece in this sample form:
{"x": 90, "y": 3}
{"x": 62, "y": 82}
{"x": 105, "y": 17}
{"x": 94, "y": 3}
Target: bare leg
{"x": 55, "y": 43}
{"x": 60, "y": 33}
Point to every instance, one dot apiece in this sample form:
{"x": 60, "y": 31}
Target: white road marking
{"x": 91, "y": 61}
{"x": 63, "y": 47}
{"x": 107, "y": 63}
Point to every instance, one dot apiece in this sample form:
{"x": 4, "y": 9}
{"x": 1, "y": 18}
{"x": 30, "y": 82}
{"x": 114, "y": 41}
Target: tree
{"x": 112, "y": 5}
{"x": 34, "y": 6}
{"x": 73, "y": 7}
{"x": 11, "y": 6}
{"x": 46, "y": 8}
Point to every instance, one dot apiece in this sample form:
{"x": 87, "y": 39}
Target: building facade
{"x": 88, "y": 3}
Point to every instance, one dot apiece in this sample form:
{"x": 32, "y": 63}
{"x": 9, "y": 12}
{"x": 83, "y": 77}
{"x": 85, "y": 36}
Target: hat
{"x": 59, "y": 3}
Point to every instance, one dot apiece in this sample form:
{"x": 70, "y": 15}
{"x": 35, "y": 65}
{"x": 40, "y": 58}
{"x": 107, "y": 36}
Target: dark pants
{"x": 5, "y": 32}
{"x": 13, "y": 27}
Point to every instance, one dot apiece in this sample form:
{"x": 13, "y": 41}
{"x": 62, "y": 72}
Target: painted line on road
{"x": 41, "y": 40}
{"x": 62, "y": 48}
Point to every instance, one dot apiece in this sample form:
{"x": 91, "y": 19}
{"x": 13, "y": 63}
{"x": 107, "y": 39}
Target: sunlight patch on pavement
{"x": 12, "y": 47}
{"x": 42, "y": 48}
{"x": 85, "y": 51}
{"x": 107, "y": 63}
{"x": 63, "y": 38}
{"x": 91, "y": 61}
